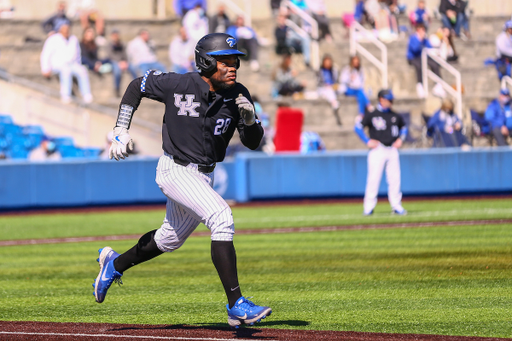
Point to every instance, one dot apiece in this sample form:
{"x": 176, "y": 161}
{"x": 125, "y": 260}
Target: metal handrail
{"x": 457, "y": 92}
{"x": 506, "y": 80}
{"x": 355, "y": 31}
{"x": 296, "y": 28}
{"x": 315, "y": 48}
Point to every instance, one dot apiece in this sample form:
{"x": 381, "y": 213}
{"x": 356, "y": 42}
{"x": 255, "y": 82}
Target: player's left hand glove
{"x": 246, "y": 110}
{"x": 121, "y": 143}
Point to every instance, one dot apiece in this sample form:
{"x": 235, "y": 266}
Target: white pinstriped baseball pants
{"x": 379, "y": 158}
{"x": 190, "y": 200}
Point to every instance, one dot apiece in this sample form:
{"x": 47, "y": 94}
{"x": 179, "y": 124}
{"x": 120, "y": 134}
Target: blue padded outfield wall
{"x": 253, "y": 176}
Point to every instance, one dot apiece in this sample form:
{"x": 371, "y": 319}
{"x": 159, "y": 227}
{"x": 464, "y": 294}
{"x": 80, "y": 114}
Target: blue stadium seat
{"x": 5, "y": 119}
{"x": 35, "y": 134}
{"x": 92, "y": 153}
{"x": 70, "y": 151}
{"x": 19, "y": 147}
{"x": 8, "y": 130}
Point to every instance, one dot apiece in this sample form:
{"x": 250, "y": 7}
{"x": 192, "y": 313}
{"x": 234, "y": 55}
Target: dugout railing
{"x": 428, "y": 74}
{"x": 358, "y": 34}
{"x": 309, "y": 26}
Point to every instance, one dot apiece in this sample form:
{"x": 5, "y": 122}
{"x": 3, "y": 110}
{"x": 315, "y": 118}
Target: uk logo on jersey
{"x": 379, "y": 123}
{"x": 231, "y": 41}
{"x": 187, "y": 107}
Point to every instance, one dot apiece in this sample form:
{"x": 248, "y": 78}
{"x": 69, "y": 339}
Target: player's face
{"x": 385, "y": 103}
{"x": 225, "y": 76}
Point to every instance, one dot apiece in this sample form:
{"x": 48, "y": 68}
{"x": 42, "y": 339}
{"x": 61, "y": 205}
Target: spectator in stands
{"x": 420, "y": 15}
{"x": 90, "y": 53}
{"x": 289, "y": 41}
{"x": 118, "y": 59}
{"x": 384, "y": 21}
{"x": 195, "y": 22}
{"x": 50, "y": 24}
{"x": 328, "y": 84}
{"x": 418, "y": 42}
{"x": 47, "y": 150}
{"x": 90, "y": 16}
{"x": 181, "y": 7}
{"x": 504, "y": 43}
{"x": 442, "y": 40}
{"x": 284, "y": 77}
{"x": 141, "y": 54}
{"x": 352, "y": 83}
{"x": 446, "y": 127}
{"x": 181, "y": 52}
{"x": 61, "y": 55}
{"x": 219, "y": 22}
{"x": 275, "y": 6}
{"x": 359, "y": 12}
{"x": 499, "y": 115}
{"x": 453, "y": 15}
{"x": 311, "y": 142}
{"x": 372, "y": 8}
{"x": 318, "y": 10}
{"x": 247, "y": 41}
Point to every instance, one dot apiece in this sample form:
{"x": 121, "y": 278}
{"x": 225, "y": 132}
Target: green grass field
{"x": 453, "y": 280}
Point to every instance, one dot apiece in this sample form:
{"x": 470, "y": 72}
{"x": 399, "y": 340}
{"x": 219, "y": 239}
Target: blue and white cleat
{"x": 367, "y": 214}
{"x": 400, "y": 212}
{"x": 246, "y": 312}
{"x": 107, "y": 273}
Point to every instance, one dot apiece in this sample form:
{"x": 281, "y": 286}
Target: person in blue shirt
{"x": 247, "y": 40}
{"x": 499, "y": 116}
{"x": 418, "y": 42}
{"x": 181, "y": 7}
{"x": 420, "y": 15}
{"x": 446, "y": 127}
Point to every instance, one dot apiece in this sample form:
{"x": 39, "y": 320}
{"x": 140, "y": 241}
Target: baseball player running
{"x": 202, "y": 111}
{"x": 387, "y": 131}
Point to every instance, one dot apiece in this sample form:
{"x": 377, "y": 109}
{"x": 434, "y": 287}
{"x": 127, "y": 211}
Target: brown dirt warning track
{"x": 17, "y": 331}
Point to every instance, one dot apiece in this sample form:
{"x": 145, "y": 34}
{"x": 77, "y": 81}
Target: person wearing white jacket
{"x": 61, "y": 55}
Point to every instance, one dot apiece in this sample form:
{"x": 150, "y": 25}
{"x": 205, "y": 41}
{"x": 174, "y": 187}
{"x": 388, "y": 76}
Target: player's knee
{"x": 221, "y": 224}
{"x": 224, "y": 234}
{"x": 167, "y": 240}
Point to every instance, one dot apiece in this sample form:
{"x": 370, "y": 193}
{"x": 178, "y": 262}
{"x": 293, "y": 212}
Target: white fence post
{"x": 428, "y": 74}
{"x": 356, "y": 31}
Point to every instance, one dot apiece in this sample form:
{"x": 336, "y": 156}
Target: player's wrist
{"x": 124, "y": 117}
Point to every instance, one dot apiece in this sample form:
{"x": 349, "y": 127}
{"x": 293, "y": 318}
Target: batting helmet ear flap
{"x": 205, "y": 62}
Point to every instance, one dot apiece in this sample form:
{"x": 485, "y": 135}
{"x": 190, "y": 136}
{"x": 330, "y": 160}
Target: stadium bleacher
{"x": 17, "y": 141}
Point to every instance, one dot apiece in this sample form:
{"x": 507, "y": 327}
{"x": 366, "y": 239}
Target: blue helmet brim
{"x": 226, "y": 53}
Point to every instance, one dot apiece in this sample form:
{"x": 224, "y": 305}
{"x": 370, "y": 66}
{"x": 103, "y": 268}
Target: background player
{"x": 202, "y": 111}
{"x": 387, "y": 131}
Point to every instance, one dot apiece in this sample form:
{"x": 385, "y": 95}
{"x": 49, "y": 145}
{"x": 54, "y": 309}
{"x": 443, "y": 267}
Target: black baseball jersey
{"x": 198, "y": 124}
{"x": 383, "y": 126}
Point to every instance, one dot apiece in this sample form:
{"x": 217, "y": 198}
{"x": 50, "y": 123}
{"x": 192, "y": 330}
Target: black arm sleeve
{"x": 251, "y": 135}
{"x": 132, "y": 96}
{"x": 129, "y": 103}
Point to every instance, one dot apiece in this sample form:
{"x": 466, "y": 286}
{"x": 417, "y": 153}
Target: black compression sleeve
{"x": 132, "y": 96}
{"x": 251, "y": 135}
{"x": 129, "y": 103}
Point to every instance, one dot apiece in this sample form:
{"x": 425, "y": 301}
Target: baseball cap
{"x": 507, "y": 25}
{"x": 386, "y": 94}
{"x": 505, "y": 92}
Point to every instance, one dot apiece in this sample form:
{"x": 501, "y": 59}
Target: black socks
{"x": 224, "y": 259}
{"x": 144, "y": 250}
